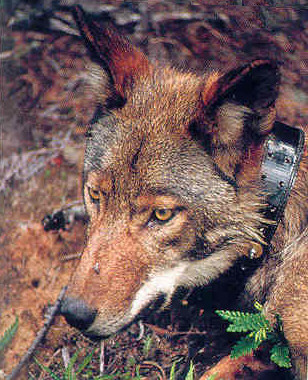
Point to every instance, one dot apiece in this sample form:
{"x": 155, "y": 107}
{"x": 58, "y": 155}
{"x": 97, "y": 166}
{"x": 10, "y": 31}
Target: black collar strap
{"x": 283, "y": 151}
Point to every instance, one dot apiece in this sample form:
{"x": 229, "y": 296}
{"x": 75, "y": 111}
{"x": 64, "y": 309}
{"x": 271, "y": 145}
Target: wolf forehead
{"x": 167, "y": 162}
{"x": 153, "y": 123}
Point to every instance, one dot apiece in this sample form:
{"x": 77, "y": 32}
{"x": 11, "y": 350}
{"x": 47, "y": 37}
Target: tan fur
{"x": 245, "y": 367}
{"x": 176, "y": 141}
{"x": 288, "y": 297}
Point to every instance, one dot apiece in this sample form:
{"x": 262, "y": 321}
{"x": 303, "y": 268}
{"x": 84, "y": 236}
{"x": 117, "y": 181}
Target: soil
{"x": 45, "y": 107}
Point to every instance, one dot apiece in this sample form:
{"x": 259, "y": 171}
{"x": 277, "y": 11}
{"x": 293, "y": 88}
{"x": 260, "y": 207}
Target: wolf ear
{"x": 238, "y": 111}
{"x": 122, "y": 62}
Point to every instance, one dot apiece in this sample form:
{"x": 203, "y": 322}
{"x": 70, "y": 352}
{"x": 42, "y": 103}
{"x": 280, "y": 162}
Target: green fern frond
{"x": 244, "y": 346}
{"x": 281, "y": 356}
{"x": 9, "y": 334}
{"x": 258, "y": 306}
{"x": 244, "y": 322}
{"x": 259, "y": 330}
{"x": 231, "y": 315}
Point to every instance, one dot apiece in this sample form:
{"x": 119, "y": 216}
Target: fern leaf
{"x": 245, "y": 345}
{"x": 261, "y": 335}
{"x": 281, "y": 356}
{"x": 230, "y": 315}
{"x": 9, "y": 334}
{"x": 258, "y": 306}
{"x": 259, "y": 330}
{"x": 244, "y": 322}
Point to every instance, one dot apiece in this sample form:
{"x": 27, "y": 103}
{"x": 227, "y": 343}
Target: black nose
{"x": 77, "y": 313}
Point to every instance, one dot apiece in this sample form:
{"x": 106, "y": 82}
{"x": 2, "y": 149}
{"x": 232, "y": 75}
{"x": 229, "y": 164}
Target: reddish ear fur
{"x": 123, "y": 62}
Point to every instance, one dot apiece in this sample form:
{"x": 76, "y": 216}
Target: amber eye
{"x": 163, "y": 214}
{"x": 94, "y": 194}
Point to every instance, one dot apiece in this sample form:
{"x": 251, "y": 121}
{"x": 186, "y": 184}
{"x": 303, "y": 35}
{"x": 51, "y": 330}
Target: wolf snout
{"x": 77, "y": 313}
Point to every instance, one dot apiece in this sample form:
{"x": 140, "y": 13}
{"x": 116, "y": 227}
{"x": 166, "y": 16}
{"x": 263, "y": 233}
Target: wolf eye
{"x": 163, "y": 214}
{"x": 94, "y": 195}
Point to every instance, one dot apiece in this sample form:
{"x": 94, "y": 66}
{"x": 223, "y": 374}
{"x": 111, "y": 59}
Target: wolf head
{"x": 171, "y": 179}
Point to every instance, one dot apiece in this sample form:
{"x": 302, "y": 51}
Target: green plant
{"x": 259, "y": 330}
{"x": 190, "y": 373}
{"x": 69, "y": 372}
{"x": 9, "y": 334}
{"x": 147, "y": 346}
{"x": 172, "y": 372}
{"x": 120, "y": 376}
{"x": 212, "y": 377}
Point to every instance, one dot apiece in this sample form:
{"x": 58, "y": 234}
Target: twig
{"x": 41, "y": 334}
{"x": 169, "y": 334}
{"x": 102, "y": 359}
{"x": 73, "y": 256}
{"x": 141, "y": 331}
{"x": 151, "y": 364}
{"x": 65, "y": 356}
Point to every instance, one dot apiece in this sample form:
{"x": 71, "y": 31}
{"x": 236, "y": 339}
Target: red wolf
{"x": 174, "y": 190}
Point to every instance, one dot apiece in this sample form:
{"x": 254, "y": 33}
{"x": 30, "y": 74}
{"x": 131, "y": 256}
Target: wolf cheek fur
{"x": 171, "y": 181}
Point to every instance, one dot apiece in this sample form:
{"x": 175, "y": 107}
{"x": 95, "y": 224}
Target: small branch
{"x": 65, "y": 357}
{"x": 169, "y": 334}
{"x": 150, "y": 365}
{"x": 141, "y": 331}
{"x": 41, "y": 334}
{"x": 102, "y": 359}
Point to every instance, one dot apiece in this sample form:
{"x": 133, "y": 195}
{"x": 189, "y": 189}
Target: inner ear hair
{"x": 230, "y": 121}
{"x": 99, "y": 85}
{"x": 233, "y": 120}
{"x": 254, "y": 86}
